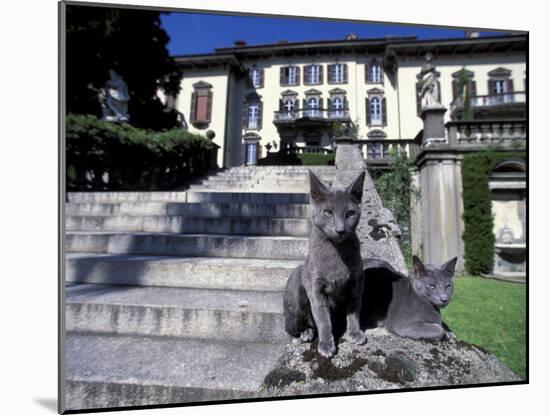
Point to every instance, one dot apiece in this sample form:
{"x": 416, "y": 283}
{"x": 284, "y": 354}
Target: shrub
{"x": 105, "y": 156}
{"x": 478, "y": 237}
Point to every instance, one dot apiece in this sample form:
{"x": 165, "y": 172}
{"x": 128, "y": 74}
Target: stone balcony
{"x": 501, "y": 106}
{"x": 318, "y": 116}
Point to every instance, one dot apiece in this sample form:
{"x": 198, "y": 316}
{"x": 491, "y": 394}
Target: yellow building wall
{"x": 411, "y": 124}
{"x": 218, "y": 78}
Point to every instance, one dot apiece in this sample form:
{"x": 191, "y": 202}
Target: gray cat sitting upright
{"x": 332, "y": 276}
{"x": 409, "y": 307}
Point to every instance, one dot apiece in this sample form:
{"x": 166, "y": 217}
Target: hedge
{"x": 105, "y": 156}
{"x": 314, "y": 159}
{"x": 478, "y": 237}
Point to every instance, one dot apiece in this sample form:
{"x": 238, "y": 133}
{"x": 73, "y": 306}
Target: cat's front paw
{"x": 327, "y": 349}
{"x": 358, "y": 337}
{"x": 307, "y": 335}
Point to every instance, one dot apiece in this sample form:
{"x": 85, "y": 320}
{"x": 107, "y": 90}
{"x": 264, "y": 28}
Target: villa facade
{"x": 256, "y": 99}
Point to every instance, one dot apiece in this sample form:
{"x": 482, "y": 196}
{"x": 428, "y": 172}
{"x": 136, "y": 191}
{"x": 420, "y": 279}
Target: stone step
{"x": 105, "y": 371}
{"x": 247, "y": 316}
{"x": 200, "y": 194}
{"x": 228, "y": 246}
{"x": 211, "y": 210}
{"x": 192, "y": 272}
{"x": 185, "y": 224}
{"x": 212, "y": 196}
{"x": 82, "y": 197}
{"x": 252, "y": 188}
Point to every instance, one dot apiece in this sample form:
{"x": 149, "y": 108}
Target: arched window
{"x": 337, "y": 107}
{"x": 375, "y": 111}
{"x": 313, "y": 107}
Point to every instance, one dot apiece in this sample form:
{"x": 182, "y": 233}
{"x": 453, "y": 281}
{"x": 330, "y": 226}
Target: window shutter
{"x": 384, "y": 113}
{"x": 209, "y": 106}
{"x": 296, "y": 104}
{"x": 381, "y": 74}
{"x": 261, "y": 79}
{"x": 320, "y": 74}
{"x": 307, "y": 78}
{"x": 281, "y": 105}
{"x": 260, "y": 112}
{"x": 193, "y": 115}
{"x": 491, "y": 87}
{"x": 297, "y": 75}
{"x": 418, "y": 99}
{"x": 367, "y": 73}
{"x": 258, "y": 151}
{"x": 473, "y": 89}
{"x": 245, "y": 116}
{"x": 244, "y": 153}
{"x": 330, "y": 73}
{"x": 367, "y": 105}
{"x": 282, "y": 77}
{"x": 345, "y": 69}
{"x": 509, "y": 85}
{"x": 346, "y": 103}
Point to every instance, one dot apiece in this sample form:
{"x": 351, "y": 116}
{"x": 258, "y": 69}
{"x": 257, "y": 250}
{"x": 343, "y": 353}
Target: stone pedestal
{"x": 436, "y": 216}
{"x": 434, "y": 125}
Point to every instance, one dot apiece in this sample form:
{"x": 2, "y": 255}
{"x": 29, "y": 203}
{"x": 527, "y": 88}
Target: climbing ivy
{"x": 478, "y": 237}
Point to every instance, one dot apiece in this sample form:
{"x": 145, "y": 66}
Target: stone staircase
{"x": 176, "y": 297}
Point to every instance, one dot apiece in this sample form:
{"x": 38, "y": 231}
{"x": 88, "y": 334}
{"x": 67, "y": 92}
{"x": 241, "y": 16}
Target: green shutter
{"x": 367, "y": 107}
{"x": 260, "y": 112}
{"x": 245, "y": 115}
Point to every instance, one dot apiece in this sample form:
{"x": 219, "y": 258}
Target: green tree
{"x": 131, "y": 42}
{"x": 396, "y": 189}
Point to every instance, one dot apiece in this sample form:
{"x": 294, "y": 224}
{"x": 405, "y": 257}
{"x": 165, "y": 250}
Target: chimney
{"x": 351, "y": 36}
{"x": 282, "y": 42}
{"x": 240, "y": 43}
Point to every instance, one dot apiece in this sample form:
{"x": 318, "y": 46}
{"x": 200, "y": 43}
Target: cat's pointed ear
{"x": 317, "y": 189}
{"x": 356, "y": 187}
{"x": 449, "y": 266}
{"x": 418, "y": 267}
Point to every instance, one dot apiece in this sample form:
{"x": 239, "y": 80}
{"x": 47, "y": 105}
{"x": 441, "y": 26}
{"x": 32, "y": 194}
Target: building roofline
{"x": 391, "y": 48}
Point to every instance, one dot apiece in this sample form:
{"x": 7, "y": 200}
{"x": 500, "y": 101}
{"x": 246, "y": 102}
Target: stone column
{"x": 439, "y": 211}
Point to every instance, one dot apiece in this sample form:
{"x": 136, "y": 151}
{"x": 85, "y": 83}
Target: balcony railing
{"x": 485, "y": 132}
{"x": 311, "y": 113}
{"x": 380, "y": 150}
{"x": 484, "y": 101}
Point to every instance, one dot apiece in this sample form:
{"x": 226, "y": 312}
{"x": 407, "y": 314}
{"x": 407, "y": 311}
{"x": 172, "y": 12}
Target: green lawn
{"x": 490, "y": 314}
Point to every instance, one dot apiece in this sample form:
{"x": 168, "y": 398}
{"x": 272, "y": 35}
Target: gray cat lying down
{"x": 408, "y": 307}
{"x": 332, "y": 276}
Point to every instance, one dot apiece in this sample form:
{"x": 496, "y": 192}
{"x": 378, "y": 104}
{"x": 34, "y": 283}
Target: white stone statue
{"x": 428, "y": 79}
{"x": 116, "y": 97}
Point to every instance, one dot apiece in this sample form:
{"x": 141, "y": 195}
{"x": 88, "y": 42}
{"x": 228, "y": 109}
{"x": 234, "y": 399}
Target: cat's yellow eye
{"x": 327, "y": 213}
{"x": 350, "y": 213}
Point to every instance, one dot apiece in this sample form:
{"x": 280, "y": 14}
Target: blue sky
{"x": 193, "y": 33}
